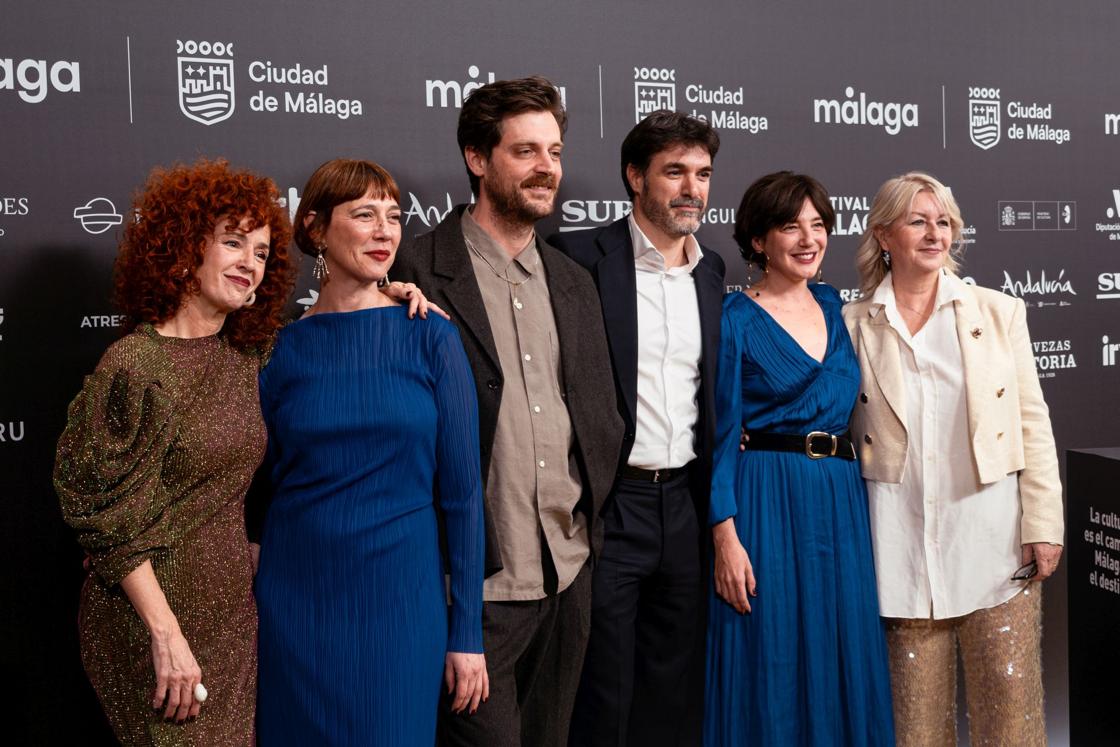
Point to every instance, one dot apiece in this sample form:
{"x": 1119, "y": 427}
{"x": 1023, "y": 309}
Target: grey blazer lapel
{"x": 452, "y": 261}
{"x": 567, "y": 314}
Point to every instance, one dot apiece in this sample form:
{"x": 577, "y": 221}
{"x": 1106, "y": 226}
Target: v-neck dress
{"x": 808, "y": 665}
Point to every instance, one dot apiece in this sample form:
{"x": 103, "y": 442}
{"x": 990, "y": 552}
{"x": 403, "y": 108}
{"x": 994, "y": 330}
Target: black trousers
{"x": 534, "y": 652}
{"x": 647, "y": 608}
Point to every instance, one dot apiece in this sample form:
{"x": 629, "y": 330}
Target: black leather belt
{"x": 651, "y": 475}
{"x": 815, "y": 445}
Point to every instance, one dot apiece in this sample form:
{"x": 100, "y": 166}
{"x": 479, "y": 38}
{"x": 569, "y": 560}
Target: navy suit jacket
{"x": 608, "y": 254}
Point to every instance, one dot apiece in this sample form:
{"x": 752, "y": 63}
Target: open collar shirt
{"x": 945, "y": 545}
{"x": 533, "y": 484}
{"x": 669, "y": 351}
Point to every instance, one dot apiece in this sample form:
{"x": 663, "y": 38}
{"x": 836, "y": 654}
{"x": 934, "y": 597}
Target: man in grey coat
{"x": 549, "y": 429}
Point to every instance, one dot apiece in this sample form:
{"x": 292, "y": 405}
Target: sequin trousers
{"x": 157, "y": 454}
{"x": 1001, "y": 651}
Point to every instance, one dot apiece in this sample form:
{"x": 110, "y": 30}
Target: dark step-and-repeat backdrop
{"x": 1015, "y": 105}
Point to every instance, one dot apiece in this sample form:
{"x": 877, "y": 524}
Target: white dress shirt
{"x": 668, "y": 356}
{"x": 945, "y": 545}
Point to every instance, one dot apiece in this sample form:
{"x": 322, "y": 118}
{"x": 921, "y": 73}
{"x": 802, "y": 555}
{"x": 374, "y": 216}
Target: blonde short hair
{"x": 892, "y": 201}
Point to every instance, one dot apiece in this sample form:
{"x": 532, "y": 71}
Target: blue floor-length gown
{"x": 808, "y": 665}
{"x": 367, "y": 412}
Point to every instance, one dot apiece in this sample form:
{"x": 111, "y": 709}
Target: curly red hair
{"x": 163, "y": 246}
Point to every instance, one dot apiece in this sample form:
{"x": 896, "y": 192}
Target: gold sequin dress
{"x": 159, "y": 449}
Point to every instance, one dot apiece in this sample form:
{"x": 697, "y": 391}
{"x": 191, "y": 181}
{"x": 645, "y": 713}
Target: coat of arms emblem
{"x": 206, "y": 81}
{"x": 983, "y": 122}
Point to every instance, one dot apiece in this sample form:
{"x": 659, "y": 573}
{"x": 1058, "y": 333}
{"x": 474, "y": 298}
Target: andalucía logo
{"x": 1041, "y": 286}
{"x": 983, "y": 117}
{"x": 205, "y": 80}
{"x": 654, "y": 88}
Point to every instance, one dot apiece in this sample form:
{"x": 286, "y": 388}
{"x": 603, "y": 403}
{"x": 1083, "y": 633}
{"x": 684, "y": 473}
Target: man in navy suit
{"x": 661, "y": 295}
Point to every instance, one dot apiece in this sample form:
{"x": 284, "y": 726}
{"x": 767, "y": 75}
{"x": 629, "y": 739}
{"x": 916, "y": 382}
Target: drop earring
{"x": 886, "y": 257}
{"x": 320, "y": 270}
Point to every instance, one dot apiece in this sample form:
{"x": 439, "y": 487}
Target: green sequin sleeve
{"x": 108, "y": 468}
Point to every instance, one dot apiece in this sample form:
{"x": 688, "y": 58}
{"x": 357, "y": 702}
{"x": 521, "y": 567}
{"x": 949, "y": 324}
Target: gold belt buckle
{"x": 809, "y": 445}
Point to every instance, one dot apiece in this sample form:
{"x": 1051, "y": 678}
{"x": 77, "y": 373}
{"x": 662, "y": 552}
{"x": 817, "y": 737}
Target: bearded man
{"x": 549, "y": 429}
{"x": 661, "y": 295}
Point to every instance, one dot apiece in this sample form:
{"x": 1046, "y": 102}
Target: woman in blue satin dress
{"x": 368, "y": 414}
{"x": 796, "y": 653}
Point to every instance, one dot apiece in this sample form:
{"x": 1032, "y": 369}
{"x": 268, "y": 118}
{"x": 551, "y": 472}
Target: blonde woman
{"x": 956, "y": 447}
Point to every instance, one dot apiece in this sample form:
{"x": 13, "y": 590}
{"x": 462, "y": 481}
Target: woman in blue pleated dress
{"x": 369, "y": 415}
{"x": 796, "y": 653}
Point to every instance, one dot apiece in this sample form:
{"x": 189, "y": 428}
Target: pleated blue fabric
{"x": 808, "y": 665}
{"x": 370, "y": 415}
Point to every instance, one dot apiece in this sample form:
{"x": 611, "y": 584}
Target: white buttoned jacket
{"x": 1008, "y": 421}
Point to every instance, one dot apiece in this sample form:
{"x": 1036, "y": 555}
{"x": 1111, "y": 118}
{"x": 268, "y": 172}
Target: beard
{"x": 511, "y": 203}
{"x": 661, "y": 215}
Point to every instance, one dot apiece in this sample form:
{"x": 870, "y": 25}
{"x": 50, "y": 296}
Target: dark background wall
{"x": 90, "y": 100}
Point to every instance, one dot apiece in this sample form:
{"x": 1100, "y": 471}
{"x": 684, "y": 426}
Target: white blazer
{"x": 1008, "y": 421}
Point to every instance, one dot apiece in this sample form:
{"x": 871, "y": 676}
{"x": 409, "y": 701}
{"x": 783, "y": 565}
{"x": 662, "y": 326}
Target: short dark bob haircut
{"x": 661, "y": 130}
{"x": 333, "y": 183}
{"x": 773, "y": 201}
{"x": 480, "y": 119}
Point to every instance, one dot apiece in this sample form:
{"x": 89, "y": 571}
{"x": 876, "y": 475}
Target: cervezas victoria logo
{"x": 205, "y": 80}
{"x": 1051, "y": 356}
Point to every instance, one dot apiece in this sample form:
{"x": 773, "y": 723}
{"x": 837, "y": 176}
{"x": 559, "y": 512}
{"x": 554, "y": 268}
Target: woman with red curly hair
{"x": 160, "y": 447}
